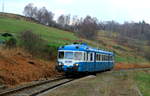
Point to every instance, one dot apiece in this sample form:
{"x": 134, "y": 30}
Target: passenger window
{"x": 103, "y": 57}
{"x": 96, "y": 57}
{"x": 88, "y": 57}
{"x": 106, "y": 58}
{"x": 110, "y": 58}
{"x": 91, "y": 57}
{"x": 100, "y": 56}
{"x": 85, "y": 56}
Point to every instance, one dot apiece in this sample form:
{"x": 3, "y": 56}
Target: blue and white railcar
{"x": 83, "y": 58}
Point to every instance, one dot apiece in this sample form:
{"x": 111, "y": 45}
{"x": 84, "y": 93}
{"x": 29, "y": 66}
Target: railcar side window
{"x": 103, "y": 57}
{"x": 85, "y": 56}
{"x": 97, "y": 57}
{"x": 106, "y": 57}
{"x": 100, "y": 56}
{"x": 61, "y": 55}
{"x": 110, "y": 58}
{"x": 78, "y": 55}
{"x": 91, "y": 57}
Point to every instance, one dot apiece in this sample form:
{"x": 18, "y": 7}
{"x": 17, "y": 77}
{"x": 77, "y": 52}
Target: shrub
{"x": 30, "y": 41}
{"x": 35, "y": 45}
{"x": 147, "y": 54}
{"x": 11, "y": 43}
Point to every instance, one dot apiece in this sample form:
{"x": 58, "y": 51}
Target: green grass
{"x": 52, "y": 35}
{"x": 143, "y": 81}
{"x": 129, "y": 59}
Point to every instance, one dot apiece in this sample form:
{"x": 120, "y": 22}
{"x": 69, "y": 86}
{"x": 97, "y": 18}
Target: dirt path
{"x": 104, "y": 84}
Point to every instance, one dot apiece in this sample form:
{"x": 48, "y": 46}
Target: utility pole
{"x": 3, "y": 6}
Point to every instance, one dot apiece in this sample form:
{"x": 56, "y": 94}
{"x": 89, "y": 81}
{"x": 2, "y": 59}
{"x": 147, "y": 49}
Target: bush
{"x": 11, "y": 43}
{"x": 35, "y": 45}
{"x": 30, "y": 41}
{"x": 147, "y": 54}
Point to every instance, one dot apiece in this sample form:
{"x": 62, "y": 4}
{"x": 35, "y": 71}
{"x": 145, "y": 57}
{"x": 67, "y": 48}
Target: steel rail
{"x": 14, "y": 90}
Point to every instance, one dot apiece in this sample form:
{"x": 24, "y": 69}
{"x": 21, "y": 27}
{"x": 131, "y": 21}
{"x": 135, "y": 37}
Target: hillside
{"x": 15, "y": 24}
{"x": 126, "y": 57}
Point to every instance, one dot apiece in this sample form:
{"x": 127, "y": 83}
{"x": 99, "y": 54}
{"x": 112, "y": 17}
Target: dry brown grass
{"x": 128, "y": 66}
{"x": 17, "y": 66}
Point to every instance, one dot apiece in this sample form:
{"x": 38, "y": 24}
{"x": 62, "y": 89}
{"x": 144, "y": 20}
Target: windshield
{"x": 68, "y": 55}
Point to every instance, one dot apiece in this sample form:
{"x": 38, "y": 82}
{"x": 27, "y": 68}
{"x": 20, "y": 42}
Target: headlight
{"x": 60, "y": 63}
{"x": 76, "y": 64}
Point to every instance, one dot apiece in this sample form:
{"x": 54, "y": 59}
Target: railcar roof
{"x": 83, "y": 47}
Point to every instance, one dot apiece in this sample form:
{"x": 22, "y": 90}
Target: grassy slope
{"x": 52, "y": 35}
{"x": 59, "y": 37}
{"x": 123, "y": 53}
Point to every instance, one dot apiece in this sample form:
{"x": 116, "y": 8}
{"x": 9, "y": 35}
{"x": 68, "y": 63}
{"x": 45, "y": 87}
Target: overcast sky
{"x": 104, "y": 10}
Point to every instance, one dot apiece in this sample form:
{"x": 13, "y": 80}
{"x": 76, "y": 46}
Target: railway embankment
{"x": 18, "y": 67}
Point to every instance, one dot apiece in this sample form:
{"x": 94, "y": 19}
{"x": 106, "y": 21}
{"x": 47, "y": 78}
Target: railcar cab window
{"x": 61, "y": 55}
{"x": 68, "y": 55}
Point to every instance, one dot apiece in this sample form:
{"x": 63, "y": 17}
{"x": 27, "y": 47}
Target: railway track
{"x": 36, "y": 88}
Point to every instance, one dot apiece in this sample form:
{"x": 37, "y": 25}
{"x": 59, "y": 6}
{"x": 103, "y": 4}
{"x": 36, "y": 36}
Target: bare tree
{"x": 28, "y": 10}
{"x": 50, "y": 20}
{"x": 67, "y": 19}
{"x": 61, "y": 20}
{"x": 88, "y": 28}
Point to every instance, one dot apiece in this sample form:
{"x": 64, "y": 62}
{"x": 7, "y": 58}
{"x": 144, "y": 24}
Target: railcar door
{"x": 91, "y": 61}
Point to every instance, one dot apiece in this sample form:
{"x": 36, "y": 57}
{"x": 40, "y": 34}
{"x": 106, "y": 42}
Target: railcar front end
{"x": 69, "y": 61}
